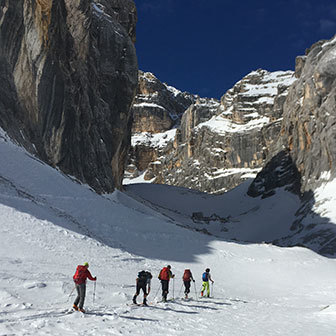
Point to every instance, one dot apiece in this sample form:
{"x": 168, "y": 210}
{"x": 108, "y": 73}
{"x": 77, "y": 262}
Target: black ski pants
{"x": 187, "y": 287}
{"x": 81, "y": 289}
{"x": 139, "y": 286}
{"x": 165, "y": 288}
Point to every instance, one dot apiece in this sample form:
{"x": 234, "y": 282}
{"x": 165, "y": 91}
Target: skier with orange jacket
{"x": 187, "y": 277}
{"x": 164, "y": 276}
{"x": 82, "y": 273}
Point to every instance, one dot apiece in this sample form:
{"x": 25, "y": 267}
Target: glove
{"x": 193, "y": 280}
{"x": 95, "y": 278}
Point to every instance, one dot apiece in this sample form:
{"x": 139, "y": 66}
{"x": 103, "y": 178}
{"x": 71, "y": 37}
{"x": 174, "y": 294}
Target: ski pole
{"x": 94, "y": 291}
{"x": 180, "y": 290}
{"x": 212, "y": 290}
{"x": 196, "y": 298}
{"x": 173, "y": 288}
{"x": 71, "y": 293}
{"x": 157, "y": 292}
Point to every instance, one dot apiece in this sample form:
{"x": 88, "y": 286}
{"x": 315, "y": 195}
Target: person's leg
{"x": 208, "y": 288}
{"x": 165, "y": 289}
{"x": 143, "y": 287}
{"x": 75, "y": 305}
{"x": 188, "y": 287}
{"x": 203, "y": 287}
{"x": 136, "y": 293}
{"x": 185, "y": 287}
{"x": 82, "y": 290}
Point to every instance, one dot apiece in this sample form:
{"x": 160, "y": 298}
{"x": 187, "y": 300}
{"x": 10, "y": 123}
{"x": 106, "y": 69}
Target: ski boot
{"x": 144, "y": 302}
{"x": 134, "y": 299}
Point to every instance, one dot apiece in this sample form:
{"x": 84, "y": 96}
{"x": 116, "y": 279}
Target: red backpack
{"x": 187, "y": 275}
{"x": 164, "y": 274}
{"x": 80, "y": 275}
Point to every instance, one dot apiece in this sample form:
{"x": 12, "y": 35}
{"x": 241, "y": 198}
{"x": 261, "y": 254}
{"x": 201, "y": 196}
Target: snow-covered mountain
{"x": 49, "y": 223}
{"x": 213, "y": 146}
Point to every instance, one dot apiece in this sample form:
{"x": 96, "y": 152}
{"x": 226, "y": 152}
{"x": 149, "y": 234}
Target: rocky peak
{"x": 157, "y": 107}
{"x": 216, "y": 145}
{"x": 255, "y": 95}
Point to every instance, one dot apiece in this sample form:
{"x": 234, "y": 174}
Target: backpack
{"x": 143, "y": 276}
{"x": 80, "y": 275}
{"x": 187, "y": 275}
{"x": 164, "y": 274}
{"x": 205, "y": 276}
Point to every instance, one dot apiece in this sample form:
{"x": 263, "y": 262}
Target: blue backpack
{"x": 205, "y": 276}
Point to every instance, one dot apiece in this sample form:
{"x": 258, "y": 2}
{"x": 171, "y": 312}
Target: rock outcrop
{"x": 307, "y": 148}
{"x": 69, "y": 75}
{"x": 217, "y": 144}
{"x": 157, "y": 112}
{"x": 309, "y": 126}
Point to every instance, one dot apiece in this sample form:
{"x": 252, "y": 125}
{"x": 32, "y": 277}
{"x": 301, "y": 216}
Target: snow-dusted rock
{"x": 217, "y": 144}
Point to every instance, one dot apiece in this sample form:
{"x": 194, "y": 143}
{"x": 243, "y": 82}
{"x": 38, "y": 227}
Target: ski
{"x": 325, "y": 307}
{"x": 138, "y": 305}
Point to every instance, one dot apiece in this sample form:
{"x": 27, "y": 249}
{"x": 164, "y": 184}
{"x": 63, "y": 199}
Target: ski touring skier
{"x": 143, "y": 282}
{"x": 164, "y": 276}
{"x": 82, "y": 273}
{"x": 187, "y": 277}
{"x": 205, "y": 286}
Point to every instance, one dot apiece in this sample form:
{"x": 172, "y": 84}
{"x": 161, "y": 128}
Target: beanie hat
{"x": 86, "y": 264}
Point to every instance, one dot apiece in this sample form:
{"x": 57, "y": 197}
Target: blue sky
{"x": 205, "y": 46}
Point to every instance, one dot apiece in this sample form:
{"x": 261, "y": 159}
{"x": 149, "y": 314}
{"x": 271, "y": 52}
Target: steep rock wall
{"x": 69, "y": 75}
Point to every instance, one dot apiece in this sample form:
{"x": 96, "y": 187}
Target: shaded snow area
{"x": 49, "y": 224}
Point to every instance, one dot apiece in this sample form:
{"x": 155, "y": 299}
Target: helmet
{"x": 169, "y": 266}
{"x": 86, "y": 264}
{"x": 207, "y": 270}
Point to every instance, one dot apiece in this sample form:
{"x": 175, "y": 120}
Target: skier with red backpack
{"x": 187, "y": 277}
{"x": 164, "y": 276}
{"x": 82, "y": 273}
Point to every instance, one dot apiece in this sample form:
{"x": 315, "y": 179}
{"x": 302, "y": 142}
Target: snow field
{"x": 49, "y": 224}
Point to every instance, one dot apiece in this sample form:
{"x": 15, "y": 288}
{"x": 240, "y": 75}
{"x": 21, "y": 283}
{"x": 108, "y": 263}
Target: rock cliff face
{"x": 218, "y": 144}
{"x": 157, "y": 111}
{"x": 309, "y": 120}
{"x": 306, "y": 149}
{"x": 309, "y": 127}
{"x": 69, "y": 75}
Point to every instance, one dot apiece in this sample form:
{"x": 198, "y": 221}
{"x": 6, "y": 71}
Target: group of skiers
{"x": 143, "y": 282}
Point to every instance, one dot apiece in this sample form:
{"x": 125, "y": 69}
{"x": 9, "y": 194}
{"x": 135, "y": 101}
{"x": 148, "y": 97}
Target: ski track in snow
{"x": 50, "y": 224}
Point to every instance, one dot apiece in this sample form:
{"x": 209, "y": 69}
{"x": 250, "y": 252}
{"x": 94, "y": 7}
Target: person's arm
{"x": 210, "y": 278}
{"x": 171, "y": 275}
{"x": 90, "y": 276}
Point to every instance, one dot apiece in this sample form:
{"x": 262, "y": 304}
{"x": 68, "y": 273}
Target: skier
{"x": 143, "y": 280}
{"x": 82, "y": 273}
{"x": 205, "y": 286}
{"x": 187, "y": 277}
{"x": 164, "y": 276}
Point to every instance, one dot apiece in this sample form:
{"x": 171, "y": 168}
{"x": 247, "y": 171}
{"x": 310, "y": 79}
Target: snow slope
{"x": 49, "y": 223}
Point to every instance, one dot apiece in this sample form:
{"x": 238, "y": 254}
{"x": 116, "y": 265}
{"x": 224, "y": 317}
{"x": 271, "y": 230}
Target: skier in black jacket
{"x": 143, "y": 282}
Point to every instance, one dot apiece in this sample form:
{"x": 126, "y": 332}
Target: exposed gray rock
{"x": 309, "y": 124}
{"x": 157, "y": 107}
{"x": 217, "y": 144}
{"x": 68, "y": 75}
